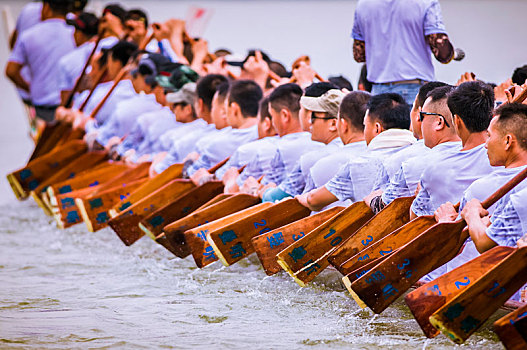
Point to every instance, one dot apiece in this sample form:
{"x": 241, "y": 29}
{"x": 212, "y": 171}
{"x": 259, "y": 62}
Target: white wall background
{"x": 490, "y": 31}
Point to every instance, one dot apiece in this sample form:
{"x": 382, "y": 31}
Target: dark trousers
{"x": 46, "y": 113}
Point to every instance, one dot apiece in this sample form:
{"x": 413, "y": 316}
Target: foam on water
{"x": 75, "y": 289}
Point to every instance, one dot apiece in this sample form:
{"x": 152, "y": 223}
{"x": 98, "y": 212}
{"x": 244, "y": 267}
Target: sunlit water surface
{"x": 74, "y": 289}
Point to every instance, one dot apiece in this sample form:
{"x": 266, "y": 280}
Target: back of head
{"x": 264, "y": 109}
{"x": 520, "y": 75}
{"x": 79, "y": 5}
{"x": 341, "y": 82}
{"x": 286, "y": 96}
{"x": 473, "y": 102}
{"x": 122, "y": 51}
{"x": 319, "y": 89}
{"x": 353, "y": 108}
{"x": 60, "y": 7}
{"x": 437, "y": 99}
{"x": 512, "y": 118}
{"x": 223, "y": 90}
{"x": 425, "y": 89}
{"x": 247, "y": 95}
{"x": 390, "y": 110}
{"x": 207, "y": 87}
{"x": 116, "y": 10}
{"x": 137, "y": 15}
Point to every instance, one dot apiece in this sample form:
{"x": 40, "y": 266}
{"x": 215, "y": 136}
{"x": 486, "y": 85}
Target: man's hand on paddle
{"x": 446, "y": 213}
{"x": 303, "y": 74}
{"x": 514, "y": 91}
{"x": 229, "y": 180}
{"x": 201, "y": 176}
{"x": 522, "y": 242}
{"x": 478, "y": 220}
{"x": 256, "y": 68}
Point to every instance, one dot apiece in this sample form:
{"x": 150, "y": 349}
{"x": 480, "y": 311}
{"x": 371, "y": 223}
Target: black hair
{"x": 222, "y": 52}
{"x": 473, "y": 102}
{"x": 264, "y": 109}
{"x": 137, "y": 15}
{"x": 363, "y": 78}
{"x": 78, "y": 5}
{"x": 390, "y": 110}
{"x": 353, "y": 108}
{"x": 206, "y": 87}
{"x": 61, "y": 7}
{"x": 319, "y": 89}
{"x": 122, "y": 51}
{"x": 247, "y": 95}
{"x": 104, "y": 57}
{"x": 223, "y": 90}
{"x": 116, "y": 10}
{"x": 286, "y": 96}
{"x": 439, "y": 93}
{"x": 512, "y": 117}
{"x": 520, "y": 75}
{"x": 425, "y": 89}
{"x": 252, "y": 52}
{"x": 341, "y": 82}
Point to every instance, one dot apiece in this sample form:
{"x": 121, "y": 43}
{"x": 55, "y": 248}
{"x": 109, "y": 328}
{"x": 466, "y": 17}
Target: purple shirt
{"x": 394, "y": 33}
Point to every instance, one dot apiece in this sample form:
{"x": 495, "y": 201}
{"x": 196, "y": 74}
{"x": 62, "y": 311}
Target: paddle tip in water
{"x": 19, "y": 192}
{"x": 438, "y": 325}
{"x": 217, "y": 251}
{"x": 147, "y": 231}
{"x": 354, "y": 295}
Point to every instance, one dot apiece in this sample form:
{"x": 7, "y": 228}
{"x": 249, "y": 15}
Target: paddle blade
{"x": 396, "y": 214}
{"x": 465, "y": 313}
{"x": 388, "y": 244}
{"x": 427, "y": 299}
{"x": 400, "y": 270}
{"x": 271, "y": 243}
{"x": 233, "y": 242}
{"x": 512, "y": 329}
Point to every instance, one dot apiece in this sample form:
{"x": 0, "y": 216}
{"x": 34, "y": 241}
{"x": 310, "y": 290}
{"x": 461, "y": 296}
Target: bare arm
{"x": 441, "y": 47}
{"x": 359, "y": 51}
{"x": 477, "y": 221}
{"x": 12, "y": 39}
{"x": 317, "y": 199}
{"x": 12, "y": 71}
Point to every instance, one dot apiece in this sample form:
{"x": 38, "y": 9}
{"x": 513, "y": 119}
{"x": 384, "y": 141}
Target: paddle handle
{"x": 503, "y": 190}
{"x": 217, "y": 166}
{"x": 69, "y": 100}
{"x": 98, "y": 81}
{"x": 521, "y": 97}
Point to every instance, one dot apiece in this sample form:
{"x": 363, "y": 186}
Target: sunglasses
{"x": 423, "y": 114}
{"x": 314, "y": 117}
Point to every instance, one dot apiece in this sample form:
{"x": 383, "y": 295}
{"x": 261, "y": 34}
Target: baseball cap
{"x": 86, "y": 22}
{"x": 327, "y": 103}
{"x": 173, "y": 76}
{"x": 187, "y": 94}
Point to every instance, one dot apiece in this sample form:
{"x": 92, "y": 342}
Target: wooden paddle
{"x": 126, "y": 223}
{"x": 232, "y": 243}
{"x": 69, "y": 99}
{"x": 395, "y": 215}
{"x": 86, "y": 179}
{"x": 427, "y": 299}
{"x": 358, "y": 273}
{"x": 196, "y": 238}
{"x": 28, "y": 178}
{"x": 328, "y": 235}
{"x": 387, "y": 244}
{"x": 466, "y": 312}
{"x": 153, "y": 224}
{"x": 215, "y": 200}
{"x": 65, "y": 211}
{"x": 134, "y": 172}
{"x": 94, "y": 208}
{"x": 98, "y": 80}
{"x": 173, "y": 172}
{"x": 174, "y": 233}
{"x": 52, "y": 133}
{"x": 400, "y": 270}
{"x": 269, "y": 244}
{"x": 512, "y": 329}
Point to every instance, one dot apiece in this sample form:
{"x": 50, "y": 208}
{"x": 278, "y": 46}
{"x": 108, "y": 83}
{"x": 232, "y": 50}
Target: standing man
{"x": 396, "y": 39}
{"x": 40, "y": 48}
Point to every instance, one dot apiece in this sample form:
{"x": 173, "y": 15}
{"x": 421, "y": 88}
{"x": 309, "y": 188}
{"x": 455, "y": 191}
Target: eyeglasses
{"x": 313, "y": 117}
{"x": 423, "y": 114}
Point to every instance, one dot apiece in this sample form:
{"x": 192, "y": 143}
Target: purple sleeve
{"x": 356, "y": 32}
{"x": 433, "y": 21}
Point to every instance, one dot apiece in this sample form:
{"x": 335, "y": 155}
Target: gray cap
{"x": 327, "y": 103}
{"x": 187, "y": 94}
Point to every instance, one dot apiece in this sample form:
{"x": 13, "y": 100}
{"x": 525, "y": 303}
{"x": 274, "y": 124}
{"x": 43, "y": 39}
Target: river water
{"x": 74, "y": 289}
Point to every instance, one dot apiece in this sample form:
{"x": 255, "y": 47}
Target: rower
{"x": 40, "y": 48}
{"x": 439, "y": 137}
{"x": 449, "y": 174}
{"x": 507, "y": 150}
{"x": 241, "y": 107}
{"x": 323, "y": 112}
{"x": 385, "y": 130}
{"x": 208, "y": 97}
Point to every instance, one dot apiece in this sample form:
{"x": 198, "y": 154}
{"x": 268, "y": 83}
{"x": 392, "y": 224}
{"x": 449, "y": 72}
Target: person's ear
{"x": 458, "y": 122}
{"x": 509, "y": 139}
{"x": 285, "y": 115}
{"x": 235, "y": 108}
{"x": 201, "y": 106}
{"x": 440, "y": 124}
{"x": 378, "y": 128}
{"x": 333, "y": 125}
